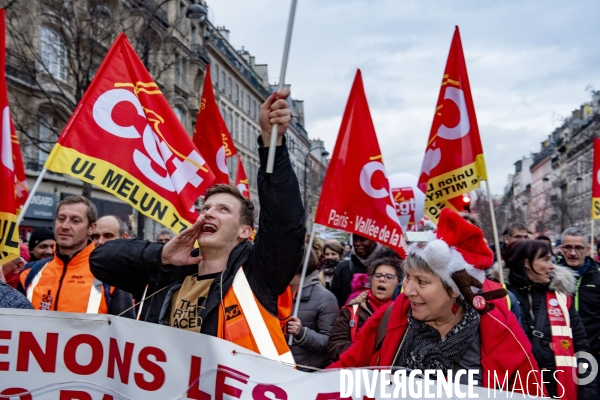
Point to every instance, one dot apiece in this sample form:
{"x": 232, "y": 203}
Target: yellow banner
{"x": 442, "y": 188}
{"x": 9, "y": 237}
{"x": 118, "y": 182}
{"x": 596, "y": 208}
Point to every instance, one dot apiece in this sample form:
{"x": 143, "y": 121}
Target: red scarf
{"x": 374, "y": 302}
{"x": 562, "y": 343}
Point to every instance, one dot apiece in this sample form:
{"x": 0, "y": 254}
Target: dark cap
{"x": 38, "y": 235}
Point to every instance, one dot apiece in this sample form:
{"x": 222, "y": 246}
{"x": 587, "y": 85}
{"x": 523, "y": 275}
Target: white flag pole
{"x": 495, "y": 230}
{"x": 286, "y": 51}
{"x": 142, "y": 303}
{"x": 304, "y": 268}
{"x": 30, "y": 196}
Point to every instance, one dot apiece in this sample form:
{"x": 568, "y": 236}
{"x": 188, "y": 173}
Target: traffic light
{"x": 466, "y": 203}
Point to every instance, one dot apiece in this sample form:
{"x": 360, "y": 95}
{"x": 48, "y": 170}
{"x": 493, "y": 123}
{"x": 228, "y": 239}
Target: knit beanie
{"x": 38, "y": 235}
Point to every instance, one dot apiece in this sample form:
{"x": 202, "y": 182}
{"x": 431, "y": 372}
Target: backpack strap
{"x": 35, "y": 268}
{"x": 382, "y": 328}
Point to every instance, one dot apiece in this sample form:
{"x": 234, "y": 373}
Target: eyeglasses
{"x": 569, "y": 248}
{"x": 386, "y": 277}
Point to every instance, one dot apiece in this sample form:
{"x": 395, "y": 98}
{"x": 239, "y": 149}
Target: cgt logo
{"x": 157, "y": 151}
{"x": 232, "y": 312}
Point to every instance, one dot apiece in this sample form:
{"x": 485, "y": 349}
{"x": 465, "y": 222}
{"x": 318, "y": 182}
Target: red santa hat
{"x": 456, "y": 245}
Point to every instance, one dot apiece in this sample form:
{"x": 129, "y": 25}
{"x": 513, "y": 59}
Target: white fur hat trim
{"x": 444, "y": 261}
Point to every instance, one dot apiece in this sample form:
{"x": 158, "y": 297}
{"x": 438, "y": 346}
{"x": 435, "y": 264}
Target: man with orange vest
{"x": 64, "y": 282}
{"x": 234, "y": 290}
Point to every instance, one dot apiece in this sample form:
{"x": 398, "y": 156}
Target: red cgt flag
{"x": 356, "y": 195}
{"x": 12, "y": 173}
{"x": 453, "y": 163}
{"x": 125, "y": 138}
{"x": 404, "y": 199}
{"x": 241, "y": 181}
{"x": 596, "y": 181}
{"x": 211, "y": 136}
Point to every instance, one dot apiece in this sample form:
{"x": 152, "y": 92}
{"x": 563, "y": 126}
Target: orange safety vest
{"x": 71, "y": 289}
{"x": 245, "y": 322}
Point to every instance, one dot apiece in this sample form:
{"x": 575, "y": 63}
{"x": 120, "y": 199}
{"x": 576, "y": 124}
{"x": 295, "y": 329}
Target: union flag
{"x": 241, "y": 181}
{"x": 596, "y": 181}
{"x": 453, "y": 163}
{"x": 12, "y": 173}
{"x": 211, "y": 136}
{"x": 124, "y": 138}
{"x": 357, "y": 167}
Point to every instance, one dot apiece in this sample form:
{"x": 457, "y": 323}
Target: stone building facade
{"x": 55, "y": 46}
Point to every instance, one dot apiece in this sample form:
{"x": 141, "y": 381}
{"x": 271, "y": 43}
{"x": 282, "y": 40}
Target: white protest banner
{"x": 65, "y": 356}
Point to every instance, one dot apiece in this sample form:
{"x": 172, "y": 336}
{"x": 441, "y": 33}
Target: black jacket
{"x": 587, "y": 303}
{"x": 532, "y": 299}
{"x": 269, "y": 263}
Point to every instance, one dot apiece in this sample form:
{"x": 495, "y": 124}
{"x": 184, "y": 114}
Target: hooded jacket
{"x": 269, "y": 263}
{"x": 532, "y": 298}
{"x": 318, "y": 311}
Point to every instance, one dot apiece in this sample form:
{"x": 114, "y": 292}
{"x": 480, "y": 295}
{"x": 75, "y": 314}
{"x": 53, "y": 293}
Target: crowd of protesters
{"x": 443, "y": 307}
{"x": 342, "y": 292}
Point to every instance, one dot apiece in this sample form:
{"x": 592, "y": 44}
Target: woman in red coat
{"x": 439, "y": 323}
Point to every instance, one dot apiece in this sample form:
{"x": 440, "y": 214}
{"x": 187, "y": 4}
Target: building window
{"x": 231, "y": 166}
{"x": 222, "y": 81}
{"x": 180, "y": 114}
{"x": 254, "y": 113}
{"x": 236, "y": 89}
{"x": 43, "y": 136}
{"x": 228, "y": 120}
{"x": 242, "y": 132}
{"x": 241, "y": 98}
{"x": 248, "y": 103}
{"x": 236, "y": 127}
{"x": 247, "y": 135}
{"x": 228, "y": 87}
{"x": 54, "y": 54}
{"x": 182, "y": 18}
{"x": 177, "y": 70}
{"x": 214, "y": 75}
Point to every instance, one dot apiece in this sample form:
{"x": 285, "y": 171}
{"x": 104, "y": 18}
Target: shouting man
{"x": 231, "y": 291}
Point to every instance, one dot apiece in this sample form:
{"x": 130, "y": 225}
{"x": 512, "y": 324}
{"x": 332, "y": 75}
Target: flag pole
{"x": 592, "y": 241}
{"x": 30, "y": 196}
{"x": 286, "y": 51}
{"x": 142, "y": 303}
{"x": 495, "y": 230}
{"x": 304, "y": 268}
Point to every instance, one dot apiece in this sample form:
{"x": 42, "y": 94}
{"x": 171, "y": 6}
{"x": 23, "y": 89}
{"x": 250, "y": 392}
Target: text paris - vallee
{"x": 366, "y": 227}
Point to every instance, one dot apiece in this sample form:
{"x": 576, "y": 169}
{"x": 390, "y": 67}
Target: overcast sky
{"x": 530, "y": 63}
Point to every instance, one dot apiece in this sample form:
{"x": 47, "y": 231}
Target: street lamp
{"x": 196, "y": 13}
{"x": 324, "y": 153}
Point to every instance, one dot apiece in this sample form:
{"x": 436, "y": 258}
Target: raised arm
{"x": 279, "y": 243}
{"x": 126, "y": 263}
